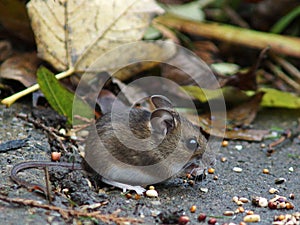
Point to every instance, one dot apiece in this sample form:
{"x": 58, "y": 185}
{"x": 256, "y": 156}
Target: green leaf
{"x": 60, "y": 99}
{"x": 190, "y": 11}
{"x": 280, "y": 99}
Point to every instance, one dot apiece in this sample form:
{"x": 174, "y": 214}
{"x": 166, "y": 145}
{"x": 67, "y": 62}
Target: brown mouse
{"x": 137, "y": 147}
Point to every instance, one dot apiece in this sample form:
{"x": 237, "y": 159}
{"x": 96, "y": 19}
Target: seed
{"x": 228, "y": 213}
{"x": 191, "y": 182}
{"x": 281, "y": 217}
{"x": 280, "y": 180}
{"x": 211, "y": 170}
{"x": 55, "y": 156}
{"x": 237, "y": 169}
{"x": 183, "y": 220}
{"x": 239, "y": 203}
{"x": 244, "y": 200}
{"x": 216, "y": 177}
{"x": 128, "y": 195}
{"x": 242, "y": 223}
{"x": 235, "y": 198}
{"x": 292, "y": 196}
{"x": 252, "y": 218}
{"x": 241, "y": 209}
{"x": 201, "y": 217}
{"x": 263, "y": 202}
{"x": 137, "y": 197}
{"x": 273, "y": 191}
{"x": 193, "y": 208}
{"x": 188, "y": 176}
{"x": 151, "y": 188}
{"x": 223, "y": 159}
{"x": 289, "y": 205}
{"x": 212, "y": 221}
{"x": 266, "y": 171}
{"x": 225, "y": 143}
{"x": 250, "y": 212}
{"x": 272, "y": 205}
{"x": 152, "y": 193}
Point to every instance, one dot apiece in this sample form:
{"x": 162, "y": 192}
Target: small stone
{"x": 263, "y": 145}
{"x": 280, "y": 180}
{"x": 152, "y": 193}
{"x": 62, "y": 131}
{"x": 289, "y": 205}
{"x": 273, "y": 191}
{"x": 238, "y": 147}
{"x": 237, "y": 169}
{"x": 215, "y": 177}
{"x": 151, "y": 188}
{"x": 235, "y": 198}
{"x": 280, "y": 217}
{"x": 249, "y": 212}
{"x": 241, "y": 209}
{"x": 291, "y": 169}
{"x": 252, "y": 218}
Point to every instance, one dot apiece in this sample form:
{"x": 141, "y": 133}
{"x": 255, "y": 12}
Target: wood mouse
{"x": 137, "y": 147}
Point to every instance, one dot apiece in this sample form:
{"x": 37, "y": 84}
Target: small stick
{"x": 277, "y": 71}
{"x": 106, "y": 218}
{"x": 47, "y": 180}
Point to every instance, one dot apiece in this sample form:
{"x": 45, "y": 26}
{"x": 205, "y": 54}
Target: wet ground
{"x": 211, "y": 196}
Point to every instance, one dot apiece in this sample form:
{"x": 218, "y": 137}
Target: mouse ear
{"x": 160, "y": 101}
{"x": 162, "y": 121}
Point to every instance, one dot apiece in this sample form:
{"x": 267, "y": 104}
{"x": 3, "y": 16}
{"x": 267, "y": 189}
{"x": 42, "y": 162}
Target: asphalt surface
{"x": 211, "y": 196}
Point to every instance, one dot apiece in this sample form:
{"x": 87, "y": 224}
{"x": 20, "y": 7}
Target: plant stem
{"x": 279, "y": 43}
{"x": 11, "y": 99}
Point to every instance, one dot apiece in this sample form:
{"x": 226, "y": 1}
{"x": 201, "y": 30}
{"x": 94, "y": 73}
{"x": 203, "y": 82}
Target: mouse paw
{"x": 138, "y": 189}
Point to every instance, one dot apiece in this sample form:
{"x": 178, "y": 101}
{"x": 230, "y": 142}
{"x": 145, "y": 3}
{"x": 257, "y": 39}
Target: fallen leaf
{"x": 14, "y": 18}
{"x": 72, "y": 34}
{"x": 60, "y": 99}
{"x": 21, "y": 67}
{"x": 279, "y": 99}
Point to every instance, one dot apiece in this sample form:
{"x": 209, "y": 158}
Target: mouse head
{"x": 167, "y": 123}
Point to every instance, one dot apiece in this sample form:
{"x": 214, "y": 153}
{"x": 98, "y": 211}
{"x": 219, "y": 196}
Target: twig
{"x": 66, "y": 213}
{"x": 52, "y": 131}
{"x": 236, "y": 35}
{"x": 277, "y": 71}
{"x": 286, "y": 65}
{"x": 235, "y": 18}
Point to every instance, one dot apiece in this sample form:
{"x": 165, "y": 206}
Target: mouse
{"x": 136, "y": 147}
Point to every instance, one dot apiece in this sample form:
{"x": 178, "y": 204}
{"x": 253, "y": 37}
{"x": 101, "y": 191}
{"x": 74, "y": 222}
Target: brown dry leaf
{"x": 21, "y": 67}
{"x": 14, "y": 18}
{"x": 5, "y": 50}
{"x": 72, "y": 34}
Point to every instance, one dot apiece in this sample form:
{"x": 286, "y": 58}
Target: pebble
{"x": 237, "y": 169}
{"x": 252, "y": 218}
{"x": 223, "y": 159}
{"x": 193, "y": 208}
{"x": 260, "y": 201}
{"x": 266, "y": 171}
{"x": 225, "y": 143}
{"x": 291, "y": 169}
{"x": 211, "y": 170}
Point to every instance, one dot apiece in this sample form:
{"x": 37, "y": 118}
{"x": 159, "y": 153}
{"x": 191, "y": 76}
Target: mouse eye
{"x": 192, "y": 144}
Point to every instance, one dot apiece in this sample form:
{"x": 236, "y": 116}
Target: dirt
{"x": 175, "y": 197}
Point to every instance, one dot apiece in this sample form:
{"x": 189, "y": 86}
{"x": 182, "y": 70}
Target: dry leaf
{"x": 72, "y": 34}
{"x": 21, "y": 67}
